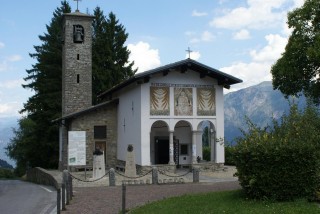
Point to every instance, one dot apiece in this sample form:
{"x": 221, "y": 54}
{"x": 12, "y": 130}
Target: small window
{"x": 78, "y": 78}
{"x": 100, "y": 132}
{"x": 183, "y": 149}
{"x": 78, "y": 56}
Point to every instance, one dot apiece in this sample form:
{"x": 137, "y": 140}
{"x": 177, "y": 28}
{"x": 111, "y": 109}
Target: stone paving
{"x": 98, "y": 197}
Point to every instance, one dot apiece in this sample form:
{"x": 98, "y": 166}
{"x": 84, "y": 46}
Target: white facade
{"x": 138, "y": 127}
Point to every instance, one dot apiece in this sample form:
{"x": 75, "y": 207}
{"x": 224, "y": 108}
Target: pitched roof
{"x": 87, "y": 110}
{"x": 223, "y": 79}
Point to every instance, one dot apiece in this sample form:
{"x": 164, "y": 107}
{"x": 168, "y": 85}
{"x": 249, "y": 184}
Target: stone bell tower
{"x": 76, "y": 62}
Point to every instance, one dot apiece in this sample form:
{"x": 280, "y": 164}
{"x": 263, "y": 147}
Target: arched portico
{"x": 184, "y": 148}
{"x": 206, "y": 135}
{"x": 159, "y": 143}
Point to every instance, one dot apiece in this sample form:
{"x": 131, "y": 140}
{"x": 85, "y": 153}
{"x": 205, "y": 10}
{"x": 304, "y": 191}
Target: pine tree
{"x": 36, "y": 139}
{"x": 109, "y": 54}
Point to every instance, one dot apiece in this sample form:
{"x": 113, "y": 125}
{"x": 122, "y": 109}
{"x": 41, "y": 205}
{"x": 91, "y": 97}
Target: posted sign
{"x": 77, "y": 148}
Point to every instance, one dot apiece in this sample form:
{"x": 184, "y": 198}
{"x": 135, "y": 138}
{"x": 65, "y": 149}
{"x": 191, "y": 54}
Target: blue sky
{"x": 240, "y": 37}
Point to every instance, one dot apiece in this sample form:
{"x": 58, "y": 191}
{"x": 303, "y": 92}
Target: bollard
{"x": 195, "y": 175}
{"x": 58, "y": 200}
{"x": 63, "y": 189}
{"x": 66, "y": 182}
{"x": 70, "y": 188}
{"x": 154, "y": 175}
{"x": 123, "y": 198}
{"x": 112, "y": 177}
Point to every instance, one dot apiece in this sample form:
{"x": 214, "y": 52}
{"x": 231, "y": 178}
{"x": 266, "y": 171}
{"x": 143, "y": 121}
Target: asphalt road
{"x": 23, "y": 197}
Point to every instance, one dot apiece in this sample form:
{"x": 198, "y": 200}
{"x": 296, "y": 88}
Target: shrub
{"x": 229, "y": 153}
{"x": 6, "y": 173}
{"x": 206, "y": 153}
{"x": 282, "y": 162}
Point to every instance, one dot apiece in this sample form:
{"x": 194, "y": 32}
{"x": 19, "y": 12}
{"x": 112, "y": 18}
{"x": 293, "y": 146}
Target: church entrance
{"x": 161, "y": 150}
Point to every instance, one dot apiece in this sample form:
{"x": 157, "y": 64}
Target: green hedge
{"x": 282, "y": 162}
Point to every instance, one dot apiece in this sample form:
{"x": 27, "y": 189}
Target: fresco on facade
{"x": 183, "y": 102}
{"x": 159, "y": 101}
{"x": 206, "y": 102}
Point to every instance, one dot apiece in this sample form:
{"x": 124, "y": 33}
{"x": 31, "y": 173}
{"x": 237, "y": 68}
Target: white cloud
{"x": 271, "y": 52}
{"x": 241, "y": 35}
{"x": 5, "y": 64}
{"x": 2, "y": 45}
{"x": 9, "y": 109}
{"x": 198, "y": 14}
{"x": 251, "y": 73}
{"x": 14, "y": 58}
{"x": 12, "y": 84}
{"x": 143, "y": 56}
{"x": 195, "y": 55}
{"x": 257, "y": 15}
{"x": 258, "y": 69}
{"x": 205, "y": 36}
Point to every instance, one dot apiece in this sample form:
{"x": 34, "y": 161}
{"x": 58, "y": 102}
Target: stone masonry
{"x": 76, "y": 64}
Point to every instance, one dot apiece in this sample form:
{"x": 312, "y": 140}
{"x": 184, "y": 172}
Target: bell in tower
{"x": 78, "y": 34}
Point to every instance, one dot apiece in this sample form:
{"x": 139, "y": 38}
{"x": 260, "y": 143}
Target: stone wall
{"x": 103, "y": 116}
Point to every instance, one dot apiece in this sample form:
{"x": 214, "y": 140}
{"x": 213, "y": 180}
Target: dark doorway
{"x": 161, "y": 151}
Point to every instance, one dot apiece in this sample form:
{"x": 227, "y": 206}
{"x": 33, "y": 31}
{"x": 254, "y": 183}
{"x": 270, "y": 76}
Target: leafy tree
{"x": 298, "y": 70}
{"x": 109, "y": 54}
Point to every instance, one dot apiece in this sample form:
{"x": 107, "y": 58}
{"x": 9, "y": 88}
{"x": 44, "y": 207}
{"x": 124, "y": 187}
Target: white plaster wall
{"x": 129, "y": 110}
{"x": 220, "y": 126}
{"x": 138, "y": 125}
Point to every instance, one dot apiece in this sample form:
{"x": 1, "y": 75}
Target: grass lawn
{"x": 225, "y": 202}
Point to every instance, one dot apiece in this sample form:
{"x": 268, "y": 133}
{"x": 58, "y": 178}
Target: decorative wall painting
{"x": 183, "y": 102}
{"x": 159, "y": 101}
{"x": 206, "y": 102}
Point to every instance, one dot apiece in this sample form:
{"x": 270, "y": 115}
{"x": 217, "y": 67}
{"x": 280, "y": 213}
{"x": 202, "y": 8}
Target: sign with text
{"x": 77, "y": 148}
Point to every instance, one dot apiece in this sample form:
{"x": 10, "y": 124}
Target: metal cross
{"x": 189, "y": 51}
{"x": 77, "y": 4}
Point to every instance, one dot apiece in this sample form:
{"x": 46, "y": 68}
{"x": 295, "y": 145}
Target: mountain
{"x": 6, "y": 133}
{"x": 4, "y": 164}
{"x": 260, "y": 103}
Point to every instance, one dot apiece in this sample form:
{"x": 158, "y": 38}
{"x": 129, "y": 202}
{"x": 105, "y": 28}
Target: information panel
{"x": 77, "y": 148}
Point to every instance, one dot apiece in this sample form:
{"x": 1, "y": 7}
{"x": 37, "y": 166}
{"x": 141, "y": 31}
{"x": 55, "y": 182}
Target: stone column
{"x": 171, "y": 160}
{"x": 194, "y": 147}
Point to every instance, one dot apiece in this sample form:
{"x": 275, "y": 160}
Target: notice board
{"x": 76, "y": 148}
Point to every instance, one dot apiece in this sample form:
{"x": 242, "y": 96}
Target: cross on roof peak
{"x": 189, "y": 51}
{"x": 77, "y": 5}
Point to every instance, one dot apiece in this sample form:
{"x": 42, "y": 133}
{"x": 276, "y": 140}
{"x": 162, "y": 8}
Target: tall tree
{"x": 110, "y": 56}
{"x": 36, "y": 139}
{"x": 298, "y": 70}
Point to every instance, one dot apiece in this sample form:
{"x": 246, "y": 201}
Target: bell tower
{"x": 76, "y": 62}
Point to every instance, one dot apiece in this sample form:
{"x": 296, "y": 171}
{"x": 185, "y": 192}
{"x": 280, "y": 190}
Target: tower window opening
{"x": 78, "y": 56}
{"x": 78, "y": 78}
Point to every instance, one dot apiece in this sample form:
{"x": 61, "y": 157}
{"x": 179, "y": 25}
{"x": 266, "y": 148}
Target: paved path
{"x": 107, "y": 200}
{"x": 97, "y": 197}
{"x": 24, "y": 197}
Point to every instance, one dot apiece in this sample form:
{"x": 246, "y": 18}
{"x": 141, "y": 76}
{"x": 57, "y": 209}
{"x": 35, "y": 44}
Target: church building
{"x": 160, "y": 113}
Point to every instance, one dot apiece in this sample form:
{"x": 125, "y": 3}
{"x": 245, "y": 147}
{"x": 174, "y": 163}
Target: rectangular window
{"x": 78, "y": 56}
{"x": 78, "y": 78}
{"x": 100, "y": 132}
{"x": 183, "y": 149}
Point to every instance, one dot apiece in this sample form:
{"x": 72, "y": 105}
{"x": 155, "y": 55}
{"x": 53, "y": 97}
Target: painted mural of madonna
{"x": 183, "y": 102}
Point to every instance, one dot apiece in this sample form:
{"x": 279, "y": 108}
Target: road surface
{"x": 23, "y": 197}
